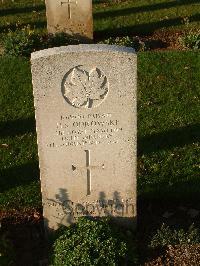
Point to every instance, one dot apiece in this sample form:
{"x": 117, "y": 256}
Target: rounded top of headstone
{"x": 81, "y": 48}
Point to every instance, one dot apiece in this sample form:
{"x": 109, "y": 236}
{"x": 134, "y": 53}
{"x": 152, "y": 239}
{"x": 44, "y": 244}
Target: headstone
{"x": 85, "y": 104}
{"x": 73, "y": 17}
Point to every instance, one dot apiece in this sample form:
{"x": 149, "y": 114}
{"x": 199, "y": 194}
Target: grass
{"x": 20, "y": 13}
{"x": 19, "y": 182}
{"x": 169, "y": 124}
{"x": 168, "y": 128}
{"x": 110, "y": 19}
{"x": 145, "y": 17}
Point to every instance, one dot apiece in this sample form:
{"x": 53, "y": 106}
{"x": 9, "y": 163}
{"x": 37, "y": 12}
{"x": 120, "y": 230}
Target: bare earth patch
{"x": 24, "y": 230}
{"x": 184, "y": 255}
{"x": 163, "y": 40}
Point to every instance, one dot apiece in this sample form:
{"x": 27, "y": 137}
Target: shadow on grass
{"x": 145, "y": 28}
{"x": 19, "y": 175}
{"x": 17, "y": 127}
{"x": 14, "y": 11}
{"x": 178, "y": 137}
{"x": 138, "y": 9}
{"x": 183, "y": 191}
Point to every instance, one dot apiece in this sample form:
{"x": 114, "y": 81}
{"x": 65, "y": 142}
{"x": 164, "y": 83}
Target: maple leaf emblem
{"x": 85, "y": 89}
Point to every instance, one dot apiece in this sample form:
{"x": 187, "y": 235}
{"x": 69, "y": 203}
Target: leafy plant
{"x": 166, "y": 236}
{"x": 125, "y": 41}
{"x": 90, "y": 242}
{"x": 191, "y": 40}
{"x": 191, "y": 37}
{"x": 22, "y": 42}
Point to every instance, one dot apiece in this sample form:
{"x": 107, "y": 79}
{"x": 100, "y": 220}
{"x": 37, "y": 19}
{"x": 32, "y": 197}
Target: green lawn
{"x": 19, "y": 162}
{"x": 111, "y": 19}
{"x": 144, "y": 17}
{"x": 167, "y": 92}
{"x": 168, "y": 109}
{"x": 168, "y": 120}
{"x": 168, "y": 128}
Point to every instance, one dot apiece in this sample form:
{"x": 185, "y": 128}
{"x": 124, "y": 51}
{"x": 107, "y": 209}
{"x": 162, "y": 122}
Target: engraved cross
{"x": 89, "y": 168}
{"x": 69, "y": 2}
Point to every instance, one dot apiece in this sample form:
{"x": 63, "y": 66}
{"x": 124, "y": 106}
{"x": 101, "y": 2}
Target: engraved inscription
{"x": 87, "y": 129}
{"x": 69, "y": 2}
{"x": 84, "y": 89}
{"x": 111, "y": 207}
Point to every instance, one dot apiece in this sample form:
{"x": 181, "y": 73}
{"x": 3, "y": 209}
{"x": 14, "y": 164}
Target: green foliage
{"x": 166, "y": 236}
{"x": 191, "y": 40}
{"x": 124, "y": 41}
{"x": 22, "y": 42}
{"x": 191, "y": 37}
{"x": 91, "y": 242}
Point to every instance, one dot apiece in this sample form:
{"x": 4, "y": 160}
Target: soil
{"x": 25, "y": 234}
{"x": 163, "y": 40}
{"x": 184, "y": 255}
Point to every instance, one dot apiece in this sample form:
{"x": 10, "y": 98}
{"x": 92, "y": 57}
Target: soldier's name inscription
{"x": 83, "y": 129}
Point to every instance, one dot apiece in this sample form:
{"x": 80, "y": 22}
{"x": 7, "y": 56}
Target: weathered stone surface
{"x": 85, "y": 104}
{"x": 73, "y": 17}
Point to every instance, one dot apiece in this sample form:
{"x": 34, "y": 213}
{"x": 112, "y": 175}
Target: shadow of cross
{"x": 69, "y": 3}
{"x": 89, "y": 168}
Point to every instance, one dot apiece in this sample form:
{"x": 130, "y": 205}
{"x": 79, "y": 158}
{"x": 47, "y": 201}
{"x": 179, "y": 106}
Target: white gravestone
{"x": 85, "y": 104}
{"x": 73, "y": 17}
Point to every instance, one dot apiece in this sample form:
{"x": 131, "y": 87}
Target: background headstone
{"x": 73, "y": 17}
{"x": 85, "y": 104}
